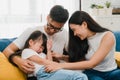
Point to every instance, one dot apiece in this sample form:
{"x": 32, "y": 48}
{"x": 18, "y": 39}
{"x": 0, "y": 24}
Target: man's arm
{"x": 25, "y": 65}
{"x": 10, "y": 49}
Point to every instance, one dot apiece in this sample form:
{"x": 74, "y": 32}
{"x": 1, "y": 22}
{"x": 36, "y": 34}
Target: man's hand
{"x": 25, "y": 65}
{"x": 59, "y": 57}
{"x": 56, "y": 55}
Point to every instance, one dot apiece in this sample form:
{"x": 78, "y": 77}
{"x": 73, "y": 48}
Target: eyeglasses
{"x": 50, "y": 26}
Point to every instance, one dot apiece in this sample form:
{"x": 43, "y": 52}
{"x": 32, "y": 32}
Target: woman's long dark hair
{"x": 77, "y": 47}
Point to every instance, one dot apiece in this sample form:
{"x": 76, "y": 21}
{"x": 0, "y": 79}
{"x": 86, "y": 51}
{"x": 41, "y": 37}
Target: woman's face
{"x": 79, "y": 30}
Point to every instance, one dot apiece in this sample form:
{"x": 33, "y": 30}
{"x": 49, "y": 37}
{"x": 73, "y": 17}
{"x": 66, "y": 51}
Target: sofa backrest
{"x": 117, "y": 36}
{"x": 5, "y": 42}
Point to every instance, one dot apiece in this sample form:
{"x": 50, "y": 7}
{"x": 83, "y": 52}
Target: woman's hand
{"x": 25, "y": 65}
{"x": 52, "y": 67}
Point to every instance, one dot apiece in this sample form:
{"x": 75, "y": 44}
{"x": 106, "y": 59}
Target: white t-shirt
{"x": 108, "y": 63}
{"x": 27, "y": 53}
{"x": 60, "y": 39}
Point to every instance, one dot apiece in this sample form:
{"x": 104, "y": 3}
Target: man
{"x": 53, "y": 29}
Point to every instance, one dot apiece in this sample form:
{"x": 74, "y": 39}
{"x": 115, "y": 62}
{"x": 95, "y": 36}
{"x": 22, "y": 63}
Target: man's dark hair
{"x": 59, "y": 14}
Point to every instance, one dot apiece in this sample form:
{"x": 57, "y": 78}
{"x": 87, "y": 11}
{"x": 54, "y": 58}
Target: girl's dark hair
{"x": 77, "y": 47}
{"x": 36, "y": 35}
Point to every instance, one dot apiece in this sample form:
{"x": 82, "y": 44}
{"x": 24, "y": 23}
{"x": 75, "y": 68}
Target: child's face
{"x": 37, "y": 46}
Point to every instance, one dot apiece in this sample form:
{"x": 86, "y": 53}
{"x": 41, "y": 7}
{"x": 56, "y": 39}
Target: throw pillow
{"x": 117, "y": 57}
{"x": 8, "y": 71}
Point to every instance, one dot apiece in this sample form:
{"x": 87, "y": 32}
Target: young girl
{"x": 35, "y": 49}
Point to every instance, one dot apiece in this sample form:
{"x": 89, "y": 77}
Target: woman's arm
{"x": 105, "y": 46}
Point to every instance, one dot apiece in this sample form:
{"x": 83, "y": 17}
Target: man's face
{"x": 53, "y": 26}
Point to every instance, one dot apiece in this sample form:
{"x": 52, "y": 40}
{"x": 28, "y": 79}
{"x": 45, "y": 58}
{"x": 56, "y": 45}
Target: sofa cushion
{"x": 8, "y": 71}
{"x": 5, "y": 42}
{"x": 117, "y": 58}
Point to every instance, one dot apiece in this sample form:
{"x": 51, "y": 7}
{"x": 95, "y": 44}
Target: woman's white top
{"x": 108, "y": 63}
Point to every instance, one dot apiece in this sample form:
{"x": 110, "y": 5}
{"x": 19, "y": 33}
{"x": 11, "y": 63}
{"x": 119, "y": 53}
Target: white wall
{"x": 85, "y": 4}
{"x": 111, "y": 22}
{"x": 18, "y": 15}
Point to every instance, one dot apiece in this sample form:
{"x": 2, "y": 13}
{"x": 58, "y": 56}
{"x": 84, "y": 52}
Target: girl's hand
{"x": 49, "y": 44}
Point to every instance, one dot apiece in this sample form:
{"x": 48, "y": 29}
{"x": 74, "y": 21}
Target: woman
{"x": 91, "y": 48}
